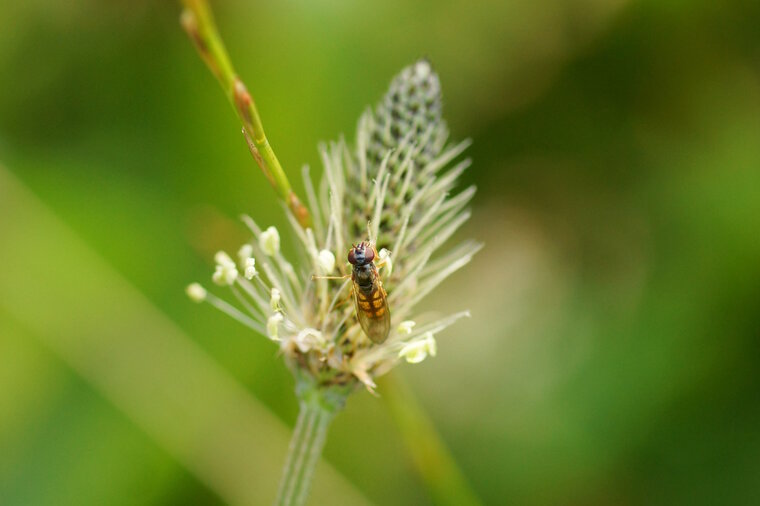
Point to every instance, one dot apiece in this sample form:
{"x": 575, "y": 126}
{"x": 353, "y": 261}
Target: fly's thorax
{"x": 364, "y": 276}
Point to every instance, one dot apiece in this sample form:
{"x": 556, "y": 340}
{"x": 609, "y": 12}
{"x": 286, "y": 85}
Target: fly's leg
{"x": 350, "y": 296}
{"x": 334, "y": 304}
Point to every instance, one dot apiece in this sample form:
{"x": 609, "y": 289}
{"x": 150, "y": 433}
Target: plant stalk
{"x": 317, "y": 408}
{"x": 198, "y": 22}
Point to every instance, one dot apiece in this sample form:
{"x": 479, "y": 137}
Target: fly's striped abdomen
{"x": 372, "y": 311}
{"x": 372, "y": 303}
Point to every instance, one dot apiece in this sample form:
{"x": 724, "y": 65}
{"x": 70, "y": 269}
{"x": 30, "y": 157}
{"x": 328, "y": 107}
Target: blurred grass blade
{"x": 432, "y": 460}
{"x": 72, "y": 301}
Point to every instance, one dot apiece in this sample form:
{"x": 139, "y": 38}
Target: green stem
{"x": 317, "y": 408}
{"x": 198, "y": 22}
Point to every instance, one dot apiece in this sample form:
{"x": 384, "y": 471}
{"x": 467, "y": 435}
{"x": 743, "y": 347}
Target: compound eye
{"x": 369, "y": 255}
{"x": 351, "y": 257}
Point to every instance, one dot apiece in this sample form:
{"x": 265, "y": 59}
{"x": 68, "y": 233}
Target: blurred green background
{"x": 612, "y": 357}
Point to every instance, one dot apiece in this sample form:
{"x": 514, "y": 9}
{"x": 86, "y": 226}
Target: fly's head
{"x": 361, "y": 254}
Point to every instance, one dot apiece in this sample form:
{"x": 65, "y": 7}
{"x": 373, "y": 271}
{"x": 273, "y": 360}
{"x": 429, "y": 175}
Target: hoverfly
{"x": 370, "y": 301}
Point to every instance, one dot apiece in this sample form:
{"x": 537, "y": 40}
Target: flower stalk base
{"x": 317, "y": 407}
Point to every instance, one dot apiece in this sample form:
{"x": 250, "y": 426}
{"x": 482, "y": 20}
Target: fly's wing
{"x": 373, "y": 313}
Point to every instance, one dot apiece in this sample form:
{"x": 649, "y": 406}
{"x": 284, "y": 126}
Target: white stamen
{"x": 225, "y": 272}
{"x": 308, "y": 339}
{"x": 223, "y": 258}
{"x": 385, "y": 260}
{"x": 196, "y": 292}
{"x": 416, "y": 351}
{"x": 406, "y": 327}
{"x": 273, "y": 326}
{"x": 327, "y": 261}
{"x": 269, "y": 241}
{"x": 250, "y": 268}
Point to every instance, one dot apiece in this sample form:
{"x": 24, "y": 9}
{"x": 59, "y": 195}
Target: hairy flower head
{"x": 392, "y": 188}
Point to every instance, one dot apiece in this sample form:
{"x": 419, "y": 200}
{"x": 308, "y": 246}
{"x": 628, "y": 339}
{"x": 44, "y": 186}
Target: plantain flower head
{"x": 395, "y": 188}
